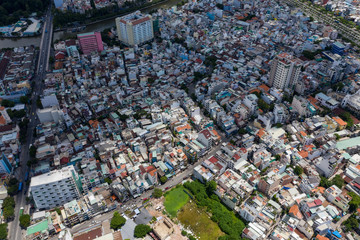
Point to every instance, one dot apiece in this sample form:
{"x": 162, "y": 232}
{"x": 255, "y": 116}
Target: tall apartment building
{"x": 135, "y": 28}
{"x": 55, "y": 188}
{"x": 90, "y": 42}
{"x": 285, "y": 70}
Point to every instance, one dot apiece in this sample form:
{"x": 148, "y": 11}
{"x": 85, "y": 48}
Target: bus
{"x": 21, "y": 211}
{"x": 20, "y": 186}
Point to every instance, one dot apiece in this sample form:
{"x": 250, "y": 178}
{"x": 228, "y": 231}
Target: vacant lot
{"x": 174, "y": 200}
{"x": 199, "y": 222}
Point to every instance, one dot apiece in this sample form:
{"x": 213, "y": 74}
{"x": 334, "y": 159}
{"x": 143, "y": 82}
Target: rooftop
{"x": 53, "y": 176}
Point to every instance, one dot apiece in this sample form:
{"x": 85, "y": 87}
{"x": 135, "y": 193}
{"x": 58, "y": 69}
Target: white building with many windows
{"x": 285, "y": 70}
{"x": 55, "y": 188}
{"x": 135, "y": 28}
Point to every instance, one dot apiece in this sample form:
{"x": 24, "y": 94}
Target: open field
{"x": 199, "y": 222}
{"x": 174, "y": 200}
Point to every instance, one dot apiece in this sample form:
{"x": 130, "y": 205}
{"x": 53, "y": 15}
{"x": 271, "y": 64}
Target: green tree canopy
{"x": 163, "y": 179}
{"x": 351, "y": 223}
{"x": 141, "y": 230}
{"x": 338, "y": 181}
{"x": 108, "y": 180}
{"x": 8, "y": 212}
{"x": 263, "y": 105}
{"x": 32, "y": 151}
{"x": 24, "y": 220}
{"x": 117, "y": 221}
{"x": 298, "y": 170}
{"x": 226, "y": 219}
{"x": 3, "y": 231}
{"x": 7, "y": 103}
{"x": 157, "y": 193}
{"x": 58, "y": 211}
{"x": 355, "y": 202}
{"x": 9, "y": 202}
{"x": 24, "y": 99}
{"x": 12, "y": 186}
{"x": 211, "y": 187}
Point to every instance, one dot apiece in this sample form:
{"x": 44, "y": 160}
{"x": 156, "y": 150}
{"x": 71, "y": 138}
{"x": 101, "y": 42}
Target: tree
{"x": 32, "y": 151}
{"x": 19, "y": 114}
{"x": 108, "y": 180}
{"x": 51, "y": 60}
{"x": 351, "y": 223}
{"x": 210, "y": 61}
{"x": 58, "y": 211}
{"x": 338, "y": 181}
{"x": 24, "y": 220}
{"x": 12, "y": 187}
{"x": 163, "y": 179}
{"x": 9, "y": 202}
{"x": 275, "y": 198}
{"x": 324, "y": 182}
{"x": 8, "y": 212}
{"x": 38, "y": 103}
{"x": 7, "y": 103}
{"x": 277, "y": 157}
{"x": 157, "y": 193}
{"x": 24, "y": 99}
{"x": 288, "y": 98}
{"x": 263, "y": 105}
{"x": 141, "y": 230}
{"x": 3, "y": 231}
{"x": 337, "y": 136}
{"x": 211, "y": 187}
{"x": 123, "y": 117}
{"x": 13, "y": 181}
{"x": 298, "y": 170}
{"x": 220, "y": 6}
{"x": 355, "y": 202}
{"x": 242, "y": 131}
{"x": 347, "y": 118}
{"x": 10, "y": 113}
{"x": 92, "y": 3}
{"x": 338, "y": 87}
{"x": 117, "y": 221}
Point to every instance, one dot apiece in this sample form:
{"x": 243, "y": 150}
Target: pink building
{"x": 90, "y": 42}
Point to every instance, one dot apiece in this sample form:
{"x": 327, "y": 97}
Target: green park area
{"x": 196, "y": 218}
{"x": 175, "y": 200}
{"x": 203, "y": 214}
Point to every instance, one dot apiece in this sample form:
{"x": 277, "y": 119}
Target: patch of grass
{"x": 130, "y": 213}
{"x": 174, "y": 200}
{"x": 195, "y": 218}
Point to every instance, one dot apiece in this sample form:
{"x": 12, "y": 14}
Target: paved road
{"x": 138, "y": 201}
{"x": 43, "y": 61}
{"x": 337, "y": 225}
{"x": 349, "y": 32}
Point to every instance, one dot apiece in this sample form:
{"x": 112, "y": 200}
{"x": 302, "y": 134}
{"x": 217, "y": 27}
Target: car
{"x": 166, "y": 188}
{"x": 144, "y": 199}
